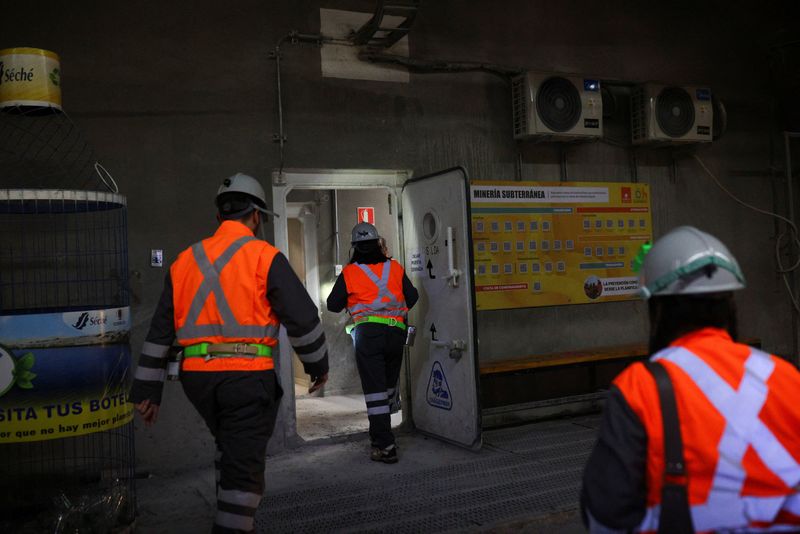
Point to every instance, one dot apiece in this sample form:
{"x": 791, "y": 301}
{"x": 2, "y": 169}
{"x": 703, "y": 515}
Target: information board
{"x": 547, "y": 244}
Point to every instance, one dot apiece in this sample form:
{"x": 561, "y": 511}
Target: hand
{"x": 319, "y": 381}
{"x": 148, "y": 411}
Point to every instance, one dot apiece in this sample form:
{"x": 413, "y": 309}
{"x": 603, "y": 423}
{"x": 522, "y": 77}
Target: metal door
{"x": 443, "y": 363}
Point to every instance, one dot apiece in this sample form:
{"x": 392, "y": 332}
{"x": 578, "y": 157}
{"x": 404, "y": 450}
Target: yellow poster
{"x": 547, "y": 244}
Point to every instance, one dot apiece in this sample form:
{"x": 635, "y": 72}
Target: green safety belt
{"x": 228, "y": 350}
{"x": 375, "y": 319}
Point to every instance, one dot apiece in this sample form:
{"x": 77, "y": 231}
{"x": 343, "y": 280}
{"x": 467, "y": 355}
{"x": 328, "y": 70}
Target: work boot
{"x": 387, "y": 455}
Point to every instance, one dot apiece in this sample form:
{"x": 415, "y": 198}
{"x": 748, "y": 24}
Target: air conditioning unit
{"x": 556, "y": 107}
{"x": 671, "y": 114}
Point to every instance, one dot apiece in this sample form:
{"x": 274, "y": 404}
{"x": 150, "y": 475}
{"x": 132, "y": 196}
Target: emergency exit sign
{"x": 366, "y": 215}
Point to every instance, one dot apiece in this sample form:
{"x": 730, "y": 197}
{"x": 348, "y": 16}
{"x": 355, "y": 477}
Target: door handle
{"x": 455, "y": 346}
{"x": 452, "y": 272}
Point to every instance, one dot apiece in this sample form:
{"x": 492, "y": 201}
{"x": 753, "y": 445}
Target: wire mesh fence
{"x": 62, "y": 249}
{"x": 66, "y": 436}
{"x": 80, "y": 484}
{"x": 43, "y": 148}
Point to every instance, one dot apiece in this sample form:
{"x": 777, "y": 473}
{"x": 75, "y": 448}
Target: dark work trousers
{"x": 240, "y": 408}
{"x": 379, "y": 355}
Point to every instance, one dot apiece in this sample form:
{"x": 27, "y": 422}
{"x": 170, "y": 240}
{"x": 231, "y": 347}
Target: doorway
{"x": 439, "y": 379}
{"x": 302, "y": 256}
{"x": 318, "y": 223}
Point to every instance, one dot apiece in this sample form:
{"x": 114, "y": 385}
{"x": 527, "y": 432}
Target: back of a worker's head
{"x": 238, "y": 196}
{"x": 236, "y": 206}
{"x": 688, "y": 277}
{"x": 366, "y": 244}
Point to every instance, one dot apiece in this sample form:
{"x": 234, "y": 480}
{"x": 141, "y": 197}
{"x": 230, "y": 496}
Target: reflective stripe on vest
{"x": 378, "y": 306}
{"x": 230, "y": 327}
{"x": 725, "y": 507}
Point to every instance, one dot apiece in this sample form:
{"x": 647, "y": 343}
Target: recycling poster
{"x": 556, "y": 243}
{"x": 63, "y": 374}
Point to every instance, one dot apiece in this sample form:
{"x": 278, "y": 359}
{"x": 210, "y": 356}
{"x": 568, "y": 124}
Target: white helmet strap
{"x": 253, "y": 206}
{"x": 662, "y": 282}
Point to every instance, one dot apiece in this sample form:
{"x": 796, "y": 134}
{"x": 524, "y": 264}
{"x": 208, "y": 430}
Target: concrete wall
{"x": 349, "y": 201}
{"x": 176, "y": 96}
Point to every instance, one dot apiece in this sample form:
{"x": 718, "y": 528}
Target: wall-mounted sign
{"x": 545, "y": 244}
{"x": 366, "y": 215}
{"x": 156, "y": 257}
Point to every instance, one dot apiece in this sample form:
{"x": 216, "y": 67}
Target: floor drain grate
{"x": 532, "y": 470}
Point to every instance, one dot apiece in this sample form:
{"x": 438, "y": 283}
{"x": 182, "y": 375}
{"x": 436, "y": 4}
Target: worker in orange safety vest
{"x": 223, "y": 301}
{"x": 377, "y": 294}
{"x": 705, "y": 437}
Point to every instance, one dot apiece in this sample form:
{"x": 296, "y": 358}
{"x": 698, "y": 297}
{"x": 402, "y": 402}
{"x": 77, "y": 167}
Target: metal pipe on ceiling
{"x": 423, "y": 66}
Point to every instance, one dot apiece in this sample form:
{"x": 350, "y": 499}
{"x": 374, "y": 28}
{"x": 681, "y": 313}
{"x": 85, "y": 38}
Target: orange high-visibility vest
{"x": 220, "y": 296}
{"x": 375, "y": 290}
{"x": 739, "y": 411}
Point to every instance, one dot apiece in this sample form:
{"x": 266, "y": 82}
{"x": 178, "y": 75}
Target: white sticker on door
{"x": 415, "y": 262}
{"x": 438, "y": 391}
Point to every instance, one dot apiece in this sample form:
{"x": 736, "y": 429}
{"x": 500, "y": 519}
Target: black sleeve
{"x": 409, "y": 292}
{"x": 149, "y": 378}
{"x": 337, "y": 300}
{"x": 289, "y": 299}
{"x": 614, "y": 488}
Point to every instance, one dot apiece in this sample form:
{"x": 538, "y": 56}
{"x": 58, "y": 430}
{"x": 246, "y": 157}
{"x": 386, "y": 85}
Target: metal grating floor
{"x": 525, "y": 471}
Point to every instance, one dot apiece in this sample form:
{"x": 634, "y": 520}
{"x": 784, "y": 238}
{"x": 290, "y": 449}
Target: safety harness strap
{"x": 675, "y": 516}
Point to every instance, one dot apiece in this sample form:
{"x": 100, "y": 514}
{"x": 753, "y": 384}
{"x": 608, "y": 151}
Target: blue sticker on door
{"x": 438, "y": 391}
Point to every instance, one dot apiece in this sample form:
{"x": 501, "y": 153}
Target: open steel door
{"x": 443, "y": 363}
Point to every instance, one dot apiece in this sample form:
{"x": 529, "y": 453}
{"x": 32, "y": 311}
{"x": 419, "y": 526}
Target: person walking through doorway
{"x": 377, "y": 294}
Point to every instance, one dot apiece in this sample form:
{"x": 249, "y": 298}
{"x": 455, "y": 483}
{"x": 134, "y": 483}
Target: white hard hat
{"x": 242, "y": 183}
{"x": 688, "y": 261}
{"x": 364, "y": 232}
